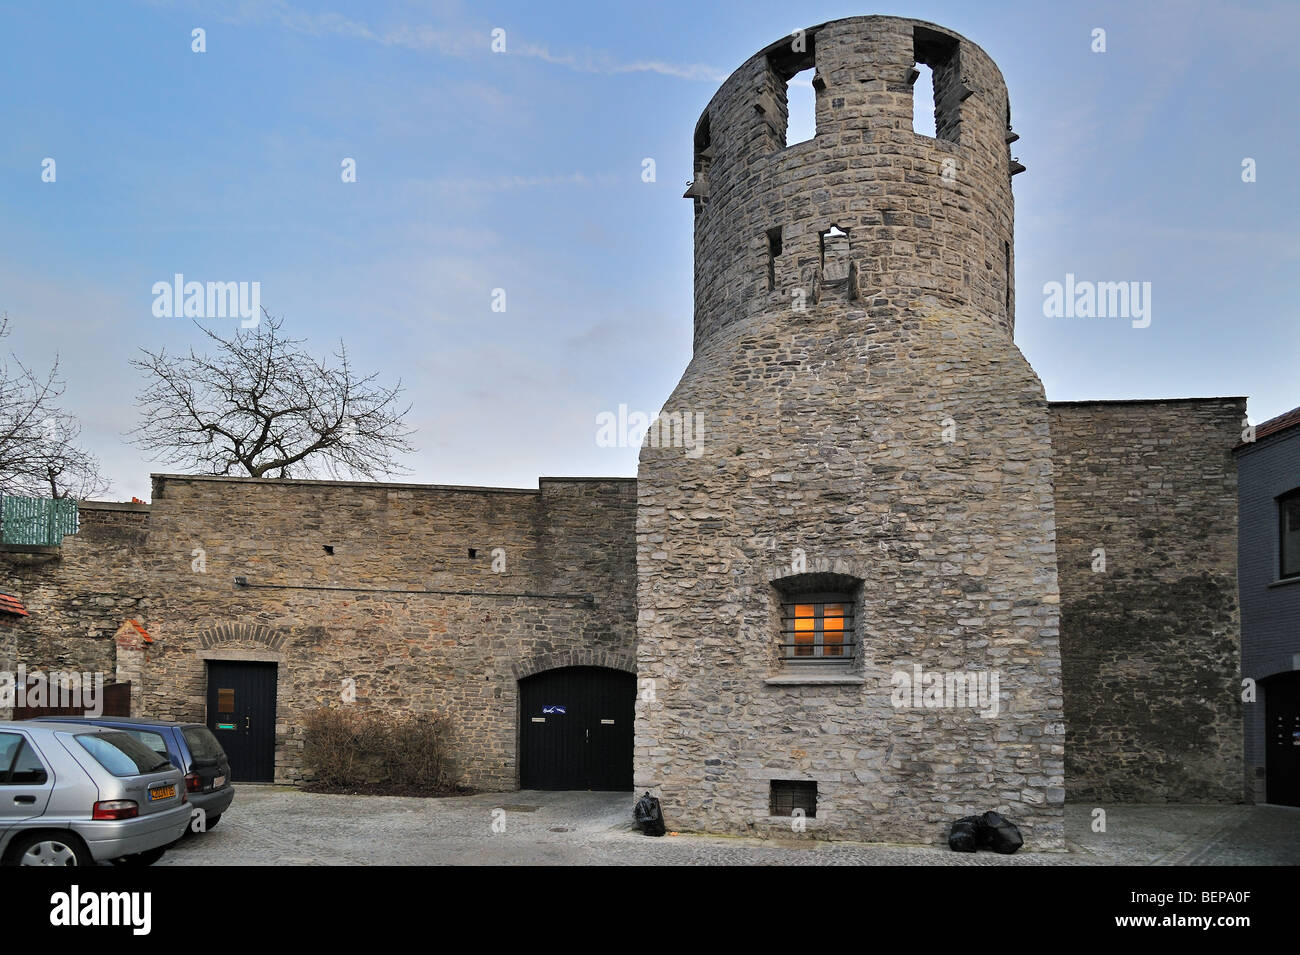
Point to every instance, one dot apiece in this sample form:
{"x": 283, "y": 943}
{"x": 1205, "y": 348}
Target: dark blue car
{"x": 190, "y": 747}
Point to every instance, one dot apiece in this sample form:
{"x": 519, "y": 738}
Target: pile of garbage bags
{"x": 989, "y": 831}
{"x": 649, "y": 816}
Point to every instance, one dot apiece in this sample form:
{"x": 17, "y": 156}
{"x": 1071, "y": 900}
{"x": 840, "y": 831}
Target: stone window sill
{"x": 816, "y": 679}
{"x": 1285, "y": 581}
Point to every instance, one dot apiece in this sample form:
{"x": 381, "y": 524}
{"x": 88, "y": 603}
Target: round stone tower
{"x": 846, "y": 560}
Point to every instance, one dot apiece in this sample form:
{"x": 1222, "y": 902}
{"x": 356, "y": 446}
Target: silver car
{"x": 72, "y": 794}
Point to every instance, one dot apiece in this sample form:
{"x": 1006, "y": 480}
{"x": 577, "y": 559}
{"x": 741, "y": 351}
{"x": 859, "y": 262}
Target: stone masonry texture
{"x": 876, "y": 416}
{"x": 862, "y": 423}
{"x": 455, "y": 655}
{"x": 1151, "y": 642}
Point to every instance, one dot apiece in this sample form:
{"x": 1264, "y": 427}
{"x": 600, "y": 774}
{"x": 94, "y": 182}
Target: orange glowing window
{"x": 818, "y": 628}
{"x": 225, "y": 701}
{"x": 833, "y": 630}
{"x": 805, "y": 629}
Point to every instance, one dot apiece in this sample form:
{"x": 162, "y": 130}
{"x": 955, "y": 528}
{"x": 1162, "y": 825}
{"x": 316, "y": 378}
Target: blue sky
{"x": 522, "y": 171}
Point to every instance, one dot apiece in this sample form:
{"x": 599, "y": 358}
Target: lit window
{"x": 817, "y": 628}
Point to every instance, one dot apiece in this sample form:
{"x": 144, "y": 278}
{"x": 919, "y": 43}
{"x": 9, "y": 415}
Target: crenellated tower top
{"x": 868, "y": 213}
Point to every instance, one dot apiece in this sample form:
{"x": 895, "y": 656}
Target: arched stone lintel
{"x": 244, "y": 633}
{"x": 856, "y": 567}
{"x": 624, "y": 660}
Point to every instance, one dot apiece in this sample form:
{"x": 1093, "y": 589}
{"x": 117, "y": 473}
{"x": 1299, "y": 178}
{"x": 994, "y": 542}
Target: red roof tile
{"x": 1281, "y": 423}
{"x": 12, "y": 605}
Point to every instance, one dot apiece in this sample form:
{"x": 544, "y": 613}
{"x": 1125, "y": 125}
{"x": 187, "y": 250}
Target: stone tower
{"x": 847, "y": 584}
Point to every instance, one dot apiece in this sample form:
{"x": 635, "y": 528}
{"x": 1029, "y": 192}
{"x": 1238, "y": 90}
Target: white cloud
{"x": 460, "y": 41}
{"x": 602, "y": 63}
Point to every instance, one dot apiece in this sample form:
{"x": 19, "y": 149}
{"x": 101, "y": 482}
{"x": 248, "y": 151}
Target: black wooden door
{"x": 241, "y": 712}
{"x": 1282, "y": 746}
{"x": 576, "y": 729}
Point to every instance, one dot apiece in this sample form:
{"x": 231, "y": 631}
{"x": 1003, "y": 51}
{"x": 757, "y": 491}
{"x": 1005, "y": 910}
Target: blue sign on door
{"x": 553, "y": 709}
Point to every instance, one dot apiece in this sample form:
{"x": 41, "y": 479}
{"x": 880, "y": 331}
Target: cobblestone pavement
{"x": 274, "y": 825}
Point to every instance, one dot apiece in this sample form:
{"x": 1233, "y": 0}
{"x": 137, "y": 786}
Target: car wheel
{"x": 141, "y": 858}
{"x": 50, "y": 849}
{"x": 212, "y": 822}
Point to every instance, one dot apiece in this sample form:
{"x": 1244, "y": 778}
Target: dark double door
{"x": 241, "y": 714}
{"x": 576, "y": 729}
{"x": 1282, "y": 739}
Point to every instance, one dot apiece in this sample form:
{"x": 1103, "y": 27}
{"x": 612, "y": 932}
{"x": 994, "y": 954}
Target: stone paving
{"x": 274, "y": 825}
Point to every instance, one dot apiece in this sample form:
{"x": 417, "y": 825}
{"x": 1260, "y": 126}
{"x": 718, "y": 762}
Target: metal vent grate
{"x": 790, "y": 794}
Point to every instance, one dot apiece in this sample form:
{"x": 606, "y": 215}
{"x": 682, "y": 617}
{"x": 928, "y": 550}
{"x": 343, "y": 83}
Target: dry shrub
{"x": 354, "y": 749}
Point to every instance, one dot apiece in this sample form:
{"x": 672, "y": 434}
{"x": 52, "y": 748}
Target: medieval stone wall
{"x": 866, "y": 409}
{"x": 348, "y": 615}
{"x": 1150, "y": 639}
{"x": 8, "y": 658}
{"x": 78, "y": 599}
{"x": 925, "y": 217}
{"x": 868, "y": 427}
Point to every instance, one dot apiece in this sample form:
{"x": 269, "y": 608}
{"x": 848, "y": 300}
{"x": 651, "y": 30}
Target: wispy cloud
{"x": 604, "y": 64}
{"x": 460, "y": 42}
{"x": 419, "y": 37}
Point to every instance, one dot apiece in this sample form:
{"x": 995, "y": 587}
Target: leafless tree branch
{"x": 39, "y": 449}
{"x": 260, "y": 405}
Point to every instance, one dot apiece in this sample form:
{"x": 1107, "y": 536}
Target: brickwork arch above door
{"x": 241, "y": 633}
{"x": 624, "y": 660}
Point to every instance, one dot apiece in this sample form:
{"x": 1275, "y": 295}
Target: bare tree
{"x": 70, "y": 470}
{"x": 39, "y": 450}
{"x": 262, "y": 406}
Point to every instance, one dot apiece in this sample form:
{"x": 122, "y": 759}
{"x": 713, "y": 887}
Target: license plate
{"x": 161, "y": 792}
{"x": 218, "y": 782}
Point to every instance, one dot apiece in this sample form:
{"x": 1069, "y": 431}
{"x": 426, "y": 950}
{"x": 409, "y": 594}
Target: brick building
{"x": 1269, "y": 562}
{"x": 868, "y": 591}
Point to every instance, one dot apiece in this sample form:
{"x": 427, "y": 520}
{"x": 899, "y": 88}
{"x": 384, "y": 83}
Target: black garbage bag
{"x": 649, "y": 816}
{"x": 964, "y": 835}
{"x": 998, "y": 834}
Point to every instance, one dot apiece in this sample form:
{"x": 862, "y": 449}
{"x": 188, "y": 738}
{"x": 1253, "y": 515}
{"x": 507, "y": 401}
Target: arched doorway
{"x": 575, "y": 729}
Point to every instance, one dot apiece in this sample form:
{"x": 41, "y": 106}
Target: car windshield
{"x": 122, "y": 755}
{"x": 203, "y": 745}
